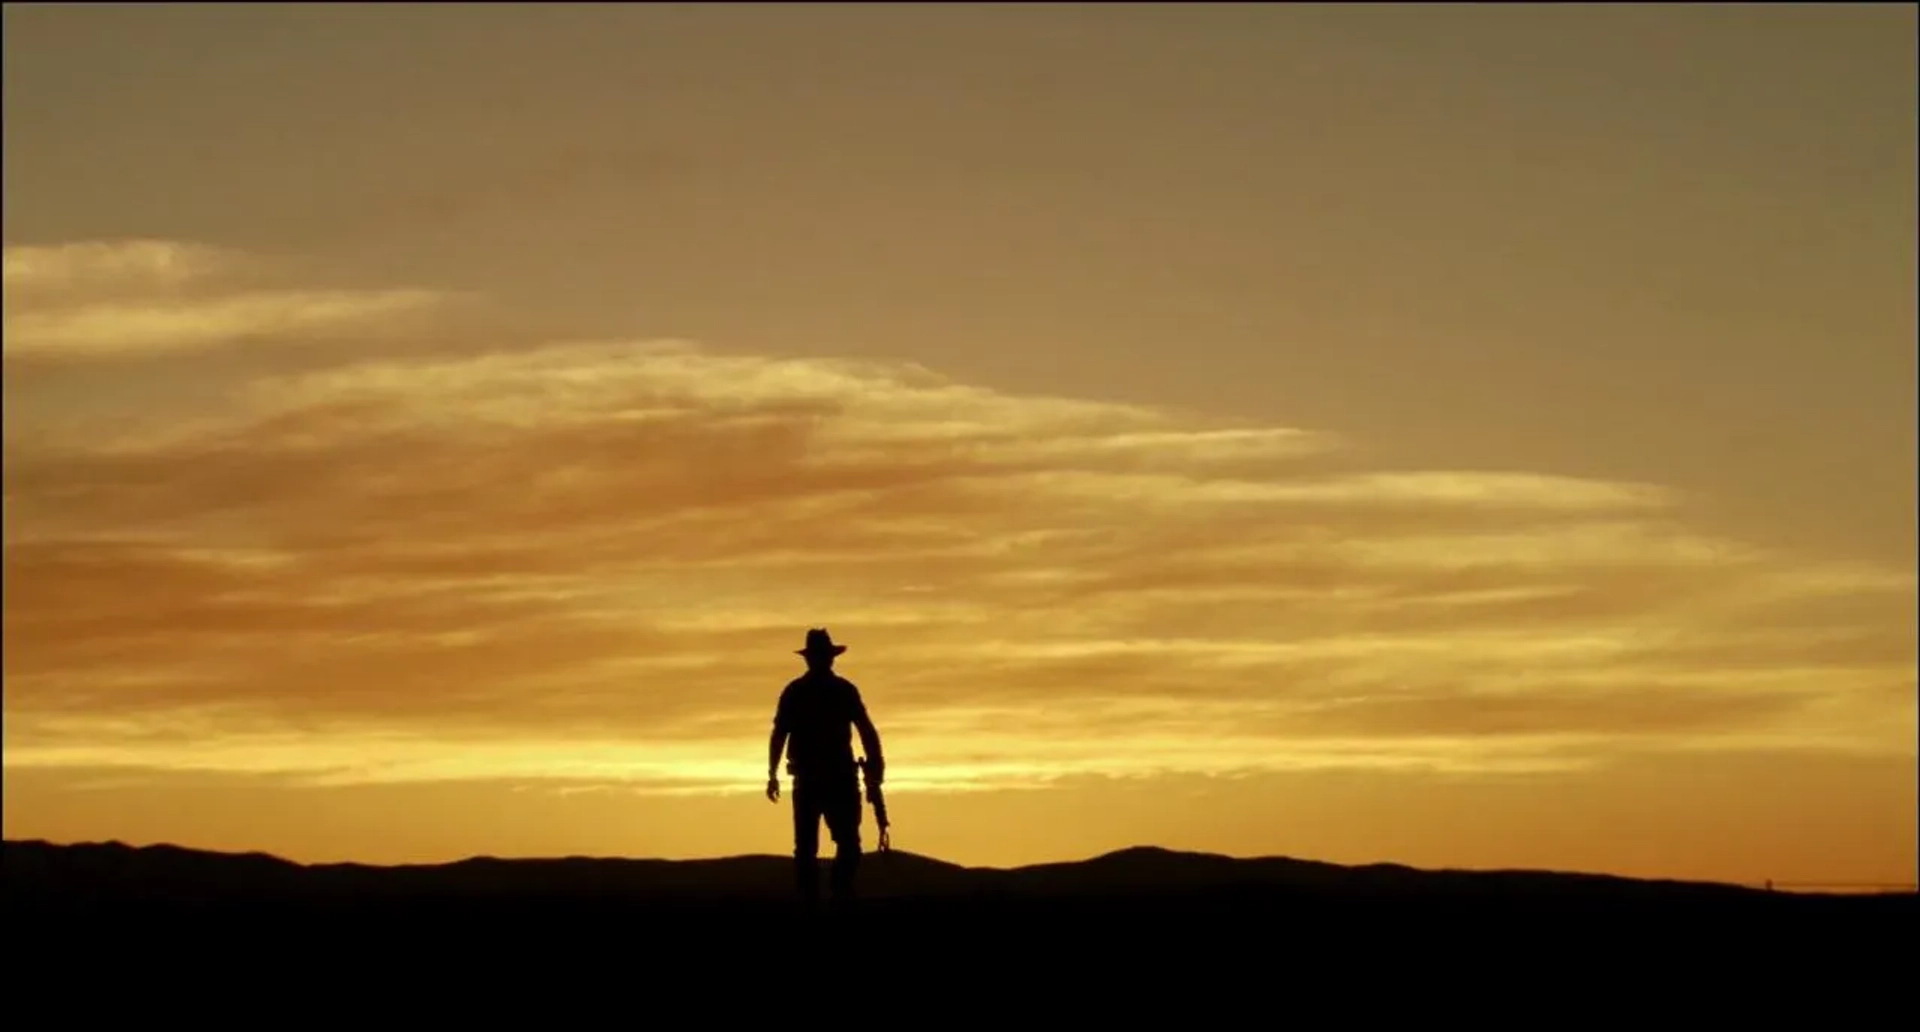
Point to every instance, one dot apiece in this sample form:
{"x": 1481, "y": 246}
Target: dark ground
{"x": 1147, "y": 921}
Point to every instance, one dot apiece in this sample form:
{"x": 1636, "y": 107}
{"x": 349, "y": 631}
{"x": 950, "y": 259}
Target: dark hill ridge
{"x": 95, "y": 876}
{"x": 1171, "y": 919}
{"x": 109, "y": 924}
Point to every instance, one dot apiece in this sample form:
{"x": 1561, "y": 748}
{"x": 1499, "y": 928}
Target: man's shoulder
{"x": 817, "y": 686}
{"x": 831, "y": 678}
{"x": 815, "y": 690}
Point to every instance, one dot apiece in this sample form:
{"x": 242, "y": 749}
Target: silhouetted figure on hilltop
{"x": 812, "y": 723}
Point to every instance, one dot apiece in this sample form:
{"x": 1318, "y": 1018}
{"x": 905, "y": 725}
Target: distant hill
{"x": 1098, "y": 933}
{"x": 107, "y": 878}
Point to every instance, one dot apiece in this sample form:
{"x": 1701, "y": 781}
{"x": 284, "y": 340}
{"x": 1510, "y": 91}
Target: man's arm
{"x": 775, "y": 746}
{"x": 869, "y": 735}
{"x": 777, "y": 741}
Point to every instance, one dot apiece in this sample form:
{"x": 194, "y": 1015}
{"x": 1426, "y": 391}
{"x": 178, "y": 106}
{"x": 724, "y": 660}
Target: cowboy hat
{"x": 819, "y": 642}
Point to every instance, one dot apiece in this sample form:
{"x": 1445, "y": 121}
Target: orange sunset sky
{"x": 1476, "y": 436}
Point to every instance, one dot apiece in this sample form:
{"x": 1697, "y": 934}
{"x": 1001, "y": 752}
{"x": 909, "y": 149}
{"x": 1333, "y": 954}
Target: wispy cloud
{"x": 592, "y": 559}
{"x": 142, "y": 298}
{"x": 110, "y": 265}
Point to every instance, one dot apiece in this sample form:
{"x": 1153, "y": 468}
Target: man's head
{"x": 820, "y": 649}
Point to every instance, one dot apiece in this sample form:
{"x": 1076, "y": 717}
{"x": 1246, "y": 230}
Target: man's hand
{"x": 773, "y": 788}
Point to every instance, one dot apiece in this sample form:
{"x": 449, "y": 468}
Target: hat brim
{"x": 831, "y": 650}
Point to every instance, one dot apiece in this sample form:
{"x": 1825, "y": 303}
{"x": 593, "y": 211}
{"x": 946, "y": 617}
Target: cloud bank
{"x": 590, "y": 560}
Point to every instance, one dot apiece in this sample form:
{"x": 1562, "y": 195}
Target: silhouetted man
{"x": 817, "y": 712}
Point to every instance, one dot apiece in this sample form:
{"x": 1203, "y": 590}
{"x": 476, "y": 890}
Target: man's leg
{"x": 806, "y": 844}
{"x": 843, "y": 823}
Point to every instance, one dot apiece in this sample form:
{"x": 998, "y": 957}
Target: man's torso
{"x": 818, "y": 711}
